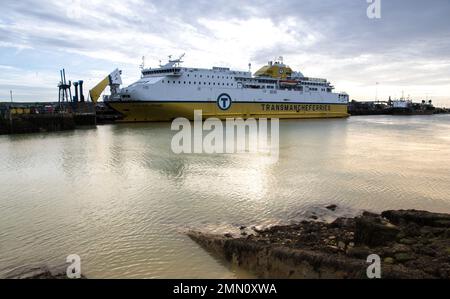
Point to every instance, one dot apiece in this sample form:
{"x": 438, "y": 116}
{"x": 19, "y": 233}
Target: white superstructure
{"x": 172, "y": 82}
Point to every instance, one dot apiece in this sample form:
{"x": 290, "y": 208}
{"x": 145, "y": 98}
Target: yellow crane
{"x": 113, "y": 80}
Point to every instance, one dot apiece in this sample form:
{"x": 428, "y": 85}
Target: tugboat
{"x": 407, "y": 107}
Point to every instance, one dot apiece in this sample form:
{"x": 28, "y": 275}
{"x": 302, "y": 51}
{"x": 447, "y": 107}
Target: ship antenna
{"x": 142, "y": 66}
{"x": 250, "y": 67}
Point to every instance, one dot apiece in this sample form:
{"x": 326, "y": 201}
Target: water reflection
{"x": 119, "y": 197}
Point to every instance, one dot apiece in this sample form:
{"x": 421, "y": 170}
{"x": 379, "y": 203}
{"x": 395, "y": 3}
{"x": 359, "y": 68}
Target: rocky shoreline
{"x": 411, "y": 245}
{"x": 40, "y": 273}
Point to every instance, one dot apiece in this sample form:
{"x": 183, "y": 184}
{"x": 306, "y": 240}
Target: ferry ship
{"x": 274, "y": 91}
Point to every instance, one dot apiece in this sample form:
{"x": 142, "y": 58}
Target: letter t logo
{"x": 224, "y": 102}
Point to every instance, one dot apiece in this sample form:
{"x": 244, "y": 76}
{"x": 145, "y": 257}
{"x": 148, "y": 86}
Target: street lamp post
{"x": 376, "y": 91}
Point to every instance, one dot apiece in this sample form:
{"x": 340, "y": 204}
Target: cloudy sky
{"x": 407, "y": 49}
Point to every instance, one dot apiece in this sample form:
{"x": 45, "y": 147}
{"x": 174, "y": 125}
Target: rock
{"x": 312, "y": 249}
{"x": 419, "y": 217}
{"x": 411, "y": 230}
{"x": 403, "y": 257}
{"x": 408, "y": 241}
{"x": 242, "y": 227}
{"x": 359, "y": 252}
{"x": 401, "y": 235}
{"x": 439, "y": 231}
{"x": 425, "y": 250}
{"x": 426, "y": 230}
{"x": 41, "y": 273}
{"x": 371, "y": 231}
{"x": 343, "y": 222}
{"x": 256, "y": 229}
{"x": 397, "y": 248}
{"x": 447, "y": 233}
{"x": 443, "y": 223}
{"x": 444, "y": 272}
{"x": 332, "y": 207}
{"x": 369, "y": 214}
{"x": 333, "y": 248}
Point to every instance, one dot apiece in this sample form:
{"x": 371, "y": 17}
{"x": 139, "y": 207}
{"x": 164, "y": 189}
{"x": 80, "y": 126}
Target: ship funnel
{"x": 81, "y": 90}
{"x": 75, "y": 85}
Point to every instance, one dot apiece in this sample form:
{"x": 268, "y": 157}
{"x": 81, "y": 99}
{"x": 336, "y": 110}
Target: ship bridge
{"x": 171, "y": 68}
{"x": 162, "y": 72}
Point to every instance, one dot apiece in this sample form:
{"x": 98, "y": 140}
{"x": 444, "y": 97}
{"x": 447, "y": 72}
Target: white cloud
{"x": 321, "y": 39}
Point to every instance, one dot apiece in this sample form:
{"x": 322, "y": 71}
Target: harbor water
{"x": 121, "y": 199}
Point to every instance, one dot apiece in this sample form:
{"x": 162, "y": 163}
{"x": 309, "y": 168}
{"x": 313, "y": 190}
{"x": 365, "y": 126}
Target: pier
{"x": 19, "y": 118}
{"x": 394, "y": 107}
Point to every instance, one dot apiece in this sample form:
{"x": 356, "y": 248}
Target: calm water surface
{"x": 118, "y": 197}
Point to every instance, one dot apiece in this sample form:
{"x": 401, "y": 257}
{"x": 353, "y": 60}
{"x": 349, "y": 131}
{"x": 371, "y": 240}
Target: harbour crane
{"x": 113, "y": 80}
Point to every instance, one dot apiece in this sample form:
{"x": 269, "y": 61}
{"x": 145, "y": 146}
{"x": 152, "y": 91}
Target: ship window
{"x": 214, "y": 83}
{"x": 201, "y": 76}
{"x": 189, "y": 82}
{"x": 227, "y": 84}
{"x": 162, "y": 81}
{"x": 204, "y": 83}
{"x": 213, "y": 77}
{"x": 209, "y": 83}
{"x": 188, "y": 75}
{"x": 195, "y": 82}
{"x": 195, "y": 76}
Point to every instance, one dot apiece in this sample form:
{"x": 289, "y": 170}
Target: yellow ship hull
{"x": 139, "y": 111}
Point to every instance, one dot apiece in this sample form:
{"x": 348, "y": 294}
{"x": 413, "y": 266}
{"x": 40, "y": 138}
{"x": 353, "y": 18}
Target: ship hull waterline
{"x": 152, "y": 111}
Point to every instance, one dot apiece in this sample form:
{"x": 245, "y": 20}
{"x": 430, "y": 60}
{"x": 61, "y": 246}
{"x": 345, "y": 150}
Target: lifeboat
{"x": 288, "y": 82}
